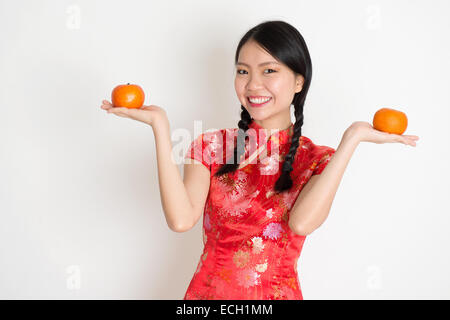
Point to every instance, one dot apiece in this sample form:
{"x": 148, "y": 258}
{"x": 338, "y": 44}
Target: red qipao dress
{"x": 250, "y": 253}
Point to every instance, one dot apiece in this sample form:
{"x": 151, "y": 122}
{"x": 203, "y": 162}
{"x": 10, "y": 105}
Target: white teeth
{"x": 259, "y": 100}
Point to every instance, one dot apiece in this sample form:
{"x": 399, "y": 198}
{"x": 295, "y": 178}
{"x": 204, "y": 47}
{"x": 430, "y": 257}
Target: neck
{"x": 272, "y": 127}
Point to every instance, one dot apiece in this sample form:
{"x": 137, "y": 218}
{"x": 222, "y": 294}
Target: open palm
{"x": 146, "y": 114}
{"x": 366, "y": 132}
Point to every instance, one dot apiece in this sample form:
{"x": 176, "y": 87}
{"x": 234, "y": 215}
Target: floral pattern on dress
{"x": 247, "y": 278}
{"x": 258, "y": 245}
{"x": 270, "y": 165}
{"x": 249, "y": 249}
{"x": 273, "y": 230}
{"x": 241, "y": 258}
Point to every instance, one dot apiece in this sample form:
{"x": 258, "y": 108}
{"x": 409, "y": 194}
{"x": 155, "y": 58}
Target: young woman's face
{"x": 273, "y": 80}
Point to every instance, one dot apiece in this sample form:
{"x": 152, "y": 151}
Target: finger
{"x": 408, "y": 141}
{"x": 120, "y": 111}
{"x": 411, "y": 142}
{"x": 117, "y": 109}
{"x": 396, "y": 137}
{"x": 401, "y": 139}
{"x": 106, "y": 105}
{"x": 411, "y": 137}
{"x": 120, "y": 114}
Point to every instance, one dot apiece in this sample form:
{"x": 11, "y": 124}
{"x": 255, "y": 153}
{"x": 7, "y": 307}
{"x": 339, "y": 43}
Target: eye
{"x": 238, "y": 71}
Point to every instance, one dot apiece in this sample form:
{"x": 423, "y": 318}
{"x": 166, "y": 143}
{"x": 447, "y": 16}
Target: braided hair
{"x": 285, "y": 43}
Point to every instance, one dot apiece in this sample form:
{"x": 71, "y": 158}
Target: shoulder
{"x": 212, "y": 135}
{"x": 313, "y": 150}
{"x": 217, "y": 136}
{"x": 215, "y": 140}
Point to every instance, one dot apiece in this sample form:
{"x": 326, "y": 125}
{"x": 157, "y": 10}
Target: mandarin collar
{"x": 265, "y": 135}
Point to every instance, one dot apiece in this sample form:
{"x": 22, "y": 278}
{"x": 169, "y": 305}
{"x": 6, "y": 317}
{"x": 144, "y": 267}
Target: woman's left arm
{"x": 314, "y": 201}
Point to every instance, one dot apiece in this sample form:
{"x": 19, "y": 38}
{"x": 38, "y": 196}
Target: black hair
{"x": 285, "y": 43}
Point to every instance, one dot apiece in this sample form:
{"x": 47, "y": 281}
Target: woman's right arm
{"x": 183, "y": 200}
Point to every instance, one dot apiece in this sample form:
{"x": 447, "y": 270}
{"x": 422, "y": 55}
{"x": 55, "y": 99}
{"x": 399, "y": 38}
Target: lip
{"x": 255, "y": 105}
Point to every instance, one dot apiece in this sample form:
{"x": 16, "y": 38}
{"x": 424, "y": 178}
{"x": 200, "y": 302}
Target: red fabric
{"x": 249, "y": 251}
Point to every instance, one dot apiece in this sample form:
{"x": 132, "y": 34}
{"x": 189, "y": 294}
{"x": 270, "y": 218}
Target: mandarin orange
{"x": 128, "y": 95}
{"x": 390, "y": 121}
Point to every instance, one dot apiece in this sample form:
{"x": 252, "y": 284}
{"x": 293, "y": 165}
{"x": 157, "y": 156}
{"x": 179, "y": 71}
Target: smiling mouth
{"x": 255, "y": 104}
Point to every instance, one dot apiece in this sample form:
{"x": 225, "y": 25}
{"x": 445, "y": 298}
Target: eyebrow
{"x": 259, "y": 65}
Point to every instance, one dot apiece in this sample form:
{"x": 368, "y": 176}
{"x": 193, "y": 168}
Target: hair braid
{"x": 284, "y": 182}
{"x": 239, "y": 147}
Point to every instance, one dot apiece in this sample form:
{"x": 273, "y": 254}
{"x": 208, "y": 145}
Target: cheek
{"x": 239, "y": 86}
{"x": 276, "y": 86}
{"x": 279, "y": 89}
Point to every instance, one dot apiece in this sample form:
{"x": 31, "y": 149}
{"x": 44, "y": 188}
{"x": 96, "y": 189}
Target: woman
{"x": 262, "y": 187}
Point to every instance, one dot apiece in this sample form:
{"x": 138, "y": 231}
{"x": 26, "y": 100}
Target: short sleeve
{"x": 324, "y": 156}
{"x": 198, "y": 150}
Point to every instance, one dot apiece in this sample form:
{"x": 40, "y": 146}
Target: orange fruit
{"x": 390, "y": 121}
{"x": 128, "y": 96}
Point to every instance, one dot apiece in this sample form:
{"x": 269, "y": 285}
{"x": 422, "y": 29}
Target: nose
{"x": 253, "y": 83}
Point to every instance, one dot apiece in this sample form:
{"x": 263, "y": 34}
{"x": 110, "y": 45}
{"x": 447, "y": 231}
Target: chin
{"x": 259, "y": 114}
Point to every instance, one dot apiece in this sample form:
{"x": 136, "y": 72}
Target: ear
{"x": 299, "y": 81}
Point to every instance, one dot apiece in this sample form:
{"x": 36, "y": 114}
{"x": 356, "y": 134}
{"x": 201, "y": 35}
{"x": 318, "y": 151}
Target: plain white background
{"x": 79, "y": 197}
